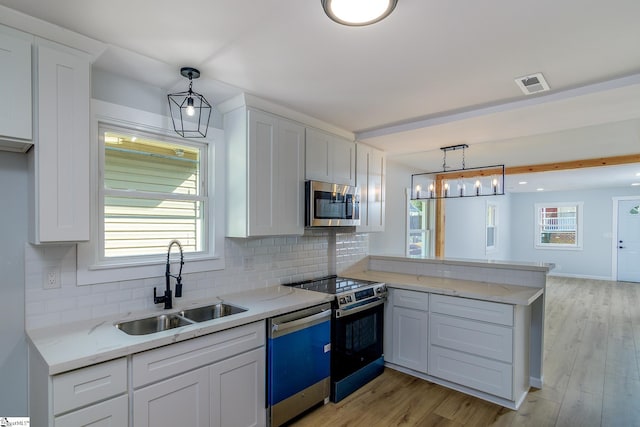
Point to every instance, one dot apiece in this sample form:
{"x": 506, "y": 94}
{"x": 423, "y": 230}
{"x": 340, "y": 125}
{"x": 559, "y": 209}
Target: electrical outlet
{"x": 51, "y": 277}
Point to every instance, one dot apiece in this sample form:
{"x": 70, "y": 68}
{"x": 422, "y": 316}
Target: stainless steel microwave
{"x": 331, "y": 205}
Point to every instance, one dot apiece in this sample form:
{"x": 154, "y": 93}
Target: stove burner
{"x": 331, "y": 284}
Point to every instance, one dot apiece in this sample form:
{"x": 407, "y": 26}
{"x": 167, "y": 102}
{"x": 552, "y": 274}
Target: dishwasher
{"x": 298, "y": 362}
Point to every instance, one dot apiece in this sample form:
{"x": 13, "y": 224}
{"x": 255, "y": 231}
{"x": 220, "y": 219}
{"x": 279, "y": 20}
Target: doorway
{"x": 627, "y": 242}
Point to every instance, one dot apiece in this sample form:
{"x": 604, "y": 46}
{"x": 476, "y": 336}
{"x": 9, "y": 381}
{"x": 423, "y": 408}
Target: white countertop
{"x": 496, "y": 292}
{"x": 80, "y": 344}
{"x": 511, "y": 265}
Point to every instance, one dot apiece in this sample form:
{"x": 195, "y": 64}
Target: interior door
{"x": 628, "y": 245}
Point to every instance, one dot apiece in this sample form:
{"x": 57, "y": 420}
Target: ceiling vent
{"x": 533, "y": 83}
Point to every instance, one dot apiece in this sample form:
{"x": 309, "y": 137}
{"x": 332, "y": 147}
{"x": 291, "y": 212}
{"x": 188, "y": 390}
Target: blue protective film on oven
{"x": 298, "y": 360}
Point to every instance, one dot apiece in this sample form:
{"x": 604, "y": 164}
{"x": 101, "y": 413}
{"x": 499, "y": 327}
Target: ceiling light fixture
{"x": 358, "y": 13}
{"x": 190, "y": 111}
{"x": 455, "y": 183}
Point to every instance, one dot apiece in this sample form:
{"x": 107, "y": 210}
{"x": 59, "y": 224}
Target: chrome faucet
{"x": 166, "y": 298}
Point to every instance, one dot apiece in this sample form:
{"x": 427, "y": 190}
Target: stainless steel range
{"x": 356, "y": 331}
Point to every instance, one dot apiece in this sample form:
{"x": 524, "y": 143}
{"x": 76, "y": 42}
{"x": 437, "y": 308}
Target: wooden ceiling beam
{"x": 574, "y": 164}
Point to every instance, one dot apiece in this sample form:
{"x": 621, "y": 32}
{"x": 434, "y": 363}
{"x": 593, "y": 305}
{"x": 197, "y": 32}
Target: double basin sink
{"x": 163, "y": 322}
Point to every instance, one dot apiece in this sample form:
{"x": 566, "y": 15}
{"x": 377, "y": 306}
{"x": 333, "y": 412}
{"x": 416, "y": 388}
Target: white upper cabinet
{"x": 330, "y": 158}
{"x": 370, "y": 178}
{"x": 59, "y": 161}
{"x": 15, "y": 90}
{"x": 265, "y": 174}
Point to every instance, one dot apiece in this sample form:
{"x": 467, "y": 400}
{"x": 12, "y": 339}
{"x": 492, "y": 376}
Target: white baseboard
{"x": 580, "y": 276}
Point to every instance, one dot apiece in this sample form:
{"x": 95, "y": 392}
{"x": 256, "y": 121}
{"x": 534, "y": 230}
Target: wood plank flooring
{"x": 591, "y": 373}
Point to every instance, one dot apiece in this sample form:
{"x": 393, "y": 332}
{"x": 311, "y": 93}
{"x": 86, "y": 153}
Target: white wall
{"x": 465, "y": 228}
{"x": 594, "y": 260}
{"x": 13, "y": 235}
{"x": 393, "y": 240}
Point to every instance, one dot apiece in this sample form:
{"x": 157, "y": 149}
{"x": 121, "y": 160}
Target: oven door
{"x": 356, "y": 352}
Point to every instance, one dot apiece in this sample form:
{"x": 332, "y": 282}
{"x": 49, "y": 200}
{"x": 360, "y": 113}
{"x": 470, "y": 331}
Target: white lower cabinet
{"x": 214, "y": 380}
{"x": 91, "y": 396}
{"x": 475, "y": 346}
{"x": 111, "y": 413}
{"x": 238, "y": 390}
{"x": 179, "y": 401}
{"x": 410, "y": 332}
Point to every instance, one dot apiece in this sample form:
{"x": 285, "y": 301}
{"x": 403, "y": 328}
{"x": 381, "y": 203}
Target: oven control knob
{"x": 342, "y": 300}
{"x": 349, "y": 299}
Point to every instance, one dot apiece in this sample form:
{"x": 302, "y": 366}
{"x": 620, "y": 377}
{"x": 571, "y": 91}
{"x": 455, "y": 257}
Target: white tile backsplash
{"x": 250, "y": 264}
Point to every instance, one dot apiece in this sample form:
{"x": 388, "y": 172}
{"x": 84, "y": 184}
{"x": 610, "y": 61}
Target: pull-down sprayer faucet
{"x": 166, "y": 298}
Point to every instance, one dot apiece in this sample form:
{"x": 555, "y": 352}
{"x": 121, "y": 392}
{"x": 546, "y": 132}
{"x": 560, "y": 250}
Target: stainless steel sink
{"x": 202, "y": 314}
{"x": 163, "y": 322}
{"x": 153, "y": 324}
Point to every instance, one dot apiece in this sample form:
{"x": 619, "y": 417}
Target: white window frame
{"x": 427, "y": 230}
{"x": 579, "y": 226}
{"x": 494, "y": 247}
{"x": 91, "y": 268}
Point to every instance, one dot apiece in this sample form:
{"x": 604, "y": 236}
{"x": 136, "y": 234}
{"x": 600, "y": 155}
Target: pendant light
{"x": 358, "y": 12}
{"x": 455, "y": 183}
{"x": 190, "y": 111}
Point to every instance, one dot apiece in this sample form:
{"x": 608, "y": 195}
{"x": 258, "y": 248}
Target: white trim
{"x": 614, "y": 233}
{"x": 580, "y": 276}
{"x": 89, "y": 270}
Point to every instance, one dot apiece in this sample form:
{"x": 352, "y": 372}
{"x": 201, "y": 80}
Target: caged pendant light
{"x": 190, "y": 111}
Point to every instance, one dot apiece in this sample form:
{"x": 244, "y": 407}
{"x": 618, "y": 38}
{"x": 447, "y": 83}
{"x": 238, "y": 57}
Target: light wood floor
{"x": 591, "y": 373}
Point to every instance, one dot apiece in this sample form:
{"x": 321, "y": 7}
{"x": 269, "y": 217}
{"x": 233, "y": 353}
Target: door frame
{"x": 614, "y": 234}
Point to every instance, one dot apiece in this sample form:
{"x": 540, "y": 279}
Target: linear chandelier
{"x": 455, "y": 183}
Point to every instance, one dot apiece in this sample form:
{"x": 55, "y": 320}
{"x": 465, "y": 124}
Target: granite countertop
{"x": 496, "y": 292}
{"x": 79, "y": 344}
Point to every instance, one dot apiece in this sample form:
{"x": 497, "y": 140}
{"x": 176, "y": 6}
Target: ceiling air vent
{"x": 533, "y": 83}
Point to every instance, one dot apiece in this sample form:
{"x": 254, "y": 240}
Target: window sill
{"x": 117, "y": 272}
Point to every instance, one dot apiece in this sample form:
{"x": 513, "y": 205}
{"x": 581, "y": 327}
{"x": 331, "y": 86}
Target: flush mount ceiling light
{"x": 453, "y": 183}
{"x": 358, "y": 12}
{"x": 190, "y": 111}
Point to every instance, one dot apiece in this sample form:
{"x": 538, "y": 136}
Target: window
{"x": 150, "y": 186}
{"x": 559, "y": 225}
{"x": 154, "y": 190}
{"x": 419, "y": 226}
{"x": 491, "y": 236}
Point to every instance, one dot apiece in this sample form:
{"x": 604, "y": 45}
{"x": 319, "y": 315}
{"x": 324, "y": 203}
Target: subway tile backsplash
{"x": 250, "y": 264}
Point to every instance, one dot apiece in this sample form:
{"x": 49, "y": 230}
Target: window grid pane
{"x": 558, "y": 225}
{"x": 152, "y": 195}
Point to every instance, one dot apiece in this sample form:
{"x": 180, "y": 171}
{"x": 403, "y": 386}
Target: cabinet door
{"x": 238, "y": 390}
{"x": 410, "y": 339}
{"x": 370, "y": 178}
{"x": 111, "y": 413}
{"x": 179, "y": 401}
{"x": 318, "y": 156}
{"x": 61, "y": 158}
{"x": 344, "y": 161}
{"x": 15, "y": 85}
{"x": 289, "y": 210}
{"x": 263, "y": 173}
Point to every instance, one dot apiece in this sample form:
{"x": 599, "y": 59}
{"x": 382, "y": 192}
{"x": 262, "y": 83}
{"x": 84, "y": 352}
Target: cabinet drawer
{"x": 411, "y": 299}
{"x": 113, "y": 412}
{"x": 470, "y": 336}
{"x": 489, "y": 376}
{"x": 485, "y": 311}
{"x": 174, "y": 359}
{"x": 87, "y": 385}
